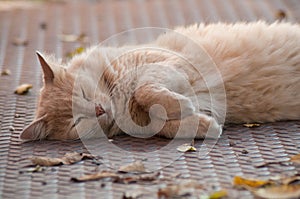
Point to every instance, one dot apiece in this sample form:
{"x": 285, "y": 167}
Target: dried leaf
{"x": 246, "y": 183}
{"x": 290, "y": 180}
{"x": 46, "y": 161}
{"x": 68, "y": 158}
{"x": 218, "y": 194}
{"x": 73, "y": 38}
{"x": 279, "y": 192}
{"x": 20, "y": 42}
{"x": 179, "y": 190}
{"x": 5, "y": 72}
{"x": 23, "y": 89}
{"x": 137, "y": 166}
{"x": 77, "y": 51}
{"x": 138, "y": 178}
{"x": 295, "y": 159}
{"x": 251, "y": 125}
{"x": 186, "y": 148}
{"x": 96, "y": 176}
{"x": 280, "y": 15}
{"x": 133, "y": 194}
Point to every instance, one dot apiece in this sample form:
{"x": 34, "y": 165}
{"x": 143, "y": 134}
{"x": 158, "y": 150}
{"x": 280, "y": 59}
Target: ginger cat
{"x": 173, "y": 86}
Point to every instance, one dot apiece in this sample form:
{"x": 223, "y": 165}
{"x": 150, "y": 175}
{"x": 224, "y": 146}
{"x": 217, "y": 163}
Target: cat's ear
{"x": 48, "y": 72}
{"x": 35, "y": 130}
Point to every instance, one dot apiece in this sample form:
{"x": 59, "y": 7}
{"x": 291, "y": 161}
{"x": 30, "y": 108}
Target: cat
{"x": 186, "y": 83}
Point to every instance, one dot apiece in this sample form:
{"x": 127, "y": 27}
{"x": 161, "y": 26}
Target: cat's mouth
{"x": 99, "y": 110}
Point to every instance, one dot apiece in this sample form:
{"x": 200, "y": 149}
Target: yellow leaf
{"x": 279, "y": 192}
{"x": 296, "y": 159}
{"x": 243, "y": 182}
{"x": 23, "y": 89}
{"x": 77, "y": 51}
{"x": 251, "y": 125}
{"x": 185, "y": 148}
{"x": 218, "y": 194}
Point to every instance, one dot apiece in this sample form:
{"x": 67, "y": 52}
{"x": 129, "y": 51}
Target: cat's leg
{"x": 176, "y": 106}
{"x": 194, "y": 126}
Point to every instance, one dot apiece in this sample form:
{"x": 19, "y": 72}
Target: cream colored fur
{"x": 258, "y": 64}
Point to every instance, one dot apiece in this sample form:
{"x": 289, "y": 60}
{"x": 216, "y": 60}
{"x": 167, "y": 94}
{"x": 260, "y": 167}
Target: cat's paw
{"x": 208, "y": 127}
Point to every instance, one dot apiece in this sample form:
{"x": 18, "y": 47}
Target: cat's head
{"x": 68, "y": 110}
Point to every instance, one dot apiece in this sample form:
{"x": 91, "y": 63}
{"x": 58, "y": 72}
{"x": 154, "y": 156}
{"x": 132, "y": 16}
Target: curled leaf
{"x": 253, "y": 183}
{"x": 5, "y": 72}
{"x": 68, "y": 158}
{"x": 23, "y": 89}
{"x": 279, "y": 192}
{"x": 186, "y": 148}
{"x": 46, "y": 161}
{"x": 137, "y": 166}
{"x": 96, "y": 176}
{"x": 251, "y": 125}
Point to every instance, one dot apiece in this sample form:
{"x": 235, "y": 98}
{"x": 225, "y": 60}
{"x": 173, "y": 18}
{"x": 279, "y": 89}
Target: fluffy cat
{"x": 109, "y": 90}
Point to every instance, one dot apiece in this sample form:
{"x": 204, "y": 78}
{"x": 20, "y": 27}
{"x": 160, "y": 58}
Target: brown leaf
{"x": 5, "y": 72}
{"x": 20, "y": 42}
{"x": 280, "y": 15}
{"x": 149, "y": 177}
{"x": 186, "y": 148}
{"x": 251, "y": 125}
{"x": 279, "y": 192}
{"x": 178, "y": 190}
{"x": 71, "y": 158}
{"x": 137, "y": 166}
{"x": 46, "y": 161}
{"x": 68, "y": 158}
{"x": 96, "y": 176}
{"x": 295, "y": 159}
{"x": 23, "y": 89}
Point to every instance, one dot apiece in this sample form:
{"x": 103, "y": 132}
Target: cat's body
{"x": 259, "y": 66}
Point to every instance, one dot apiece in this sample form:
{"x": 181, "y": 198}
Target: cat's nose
{"x": 99, "y": 110}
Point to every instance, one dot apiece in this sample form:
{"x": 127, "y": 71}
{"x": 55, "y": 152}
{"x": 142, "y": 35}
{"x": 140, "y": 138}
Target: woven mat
{"x": 28, "y": 26}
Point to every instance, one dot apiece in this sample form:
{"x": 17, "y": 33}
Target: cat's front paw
{"x": 208, "y": 128}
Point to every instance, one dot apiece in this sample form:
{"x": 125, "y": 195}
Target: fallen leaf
{"x": 20, "y": 42}
{"x": 73, "y": 38}
{"x": 77, "y": 51}
{"x": 5, "y": 72}
{"x": 186, "y": 148}
{"x": 290, "y": 180}
{"x": 218, "y": 194}
{"x": 280, "y": 15}
{"x": 137, "y": 166}
{"x": 96, "y": 176}
{"x": 23, "y": 89}
{"x": 133, "y": 194}
{"x": 246, "y": 183}
{"x": 178, "y": 190}
{"x": 46, "y": 161}
{"x": 295, "y": 159}
{"x": 37, "y": 168}
{"x": 68, "y": 158}
{"x": 278, "y": 192}
{"x": 251, "y": 125}
{"x": 138, "y": 178}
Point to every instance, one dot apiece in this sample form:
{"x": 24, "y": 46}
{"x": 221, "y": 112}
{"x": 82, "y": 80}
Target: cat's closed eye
{"x": 77, "y": 121}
